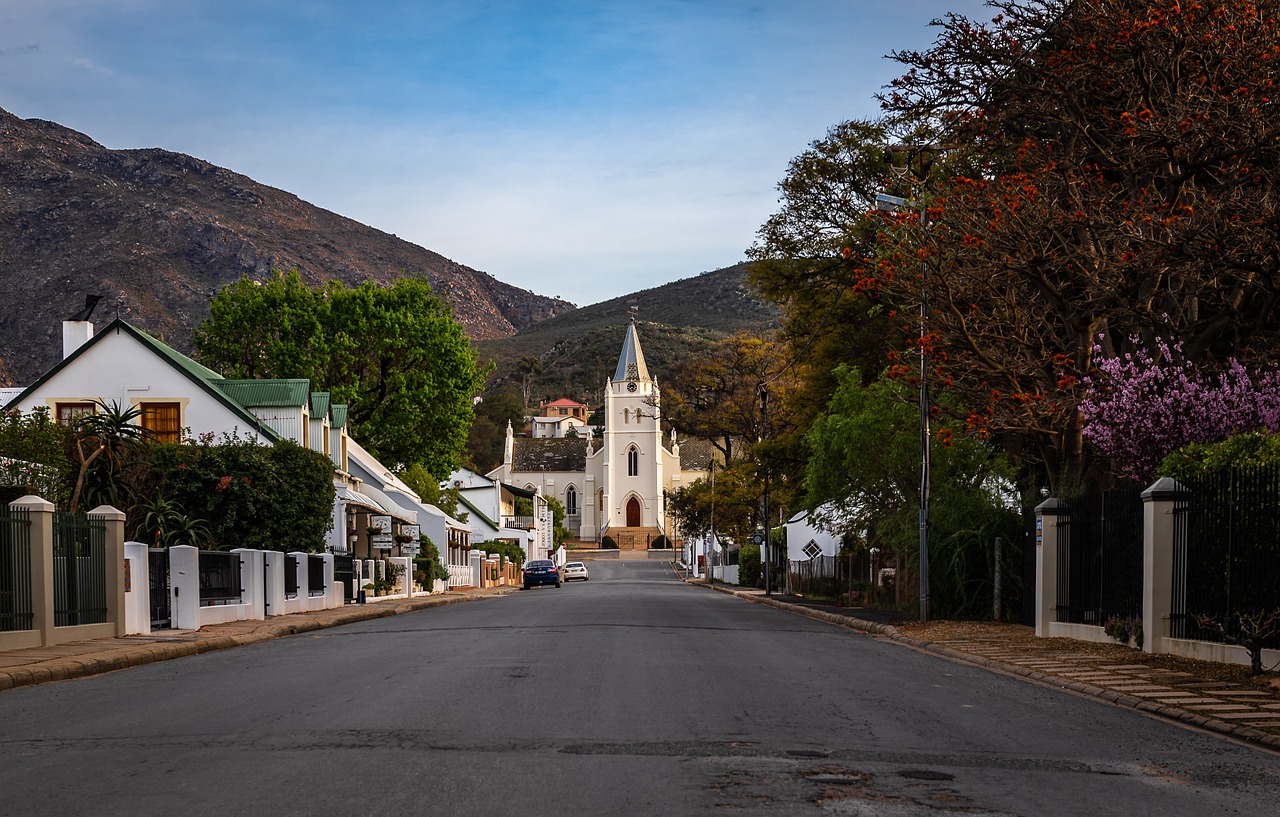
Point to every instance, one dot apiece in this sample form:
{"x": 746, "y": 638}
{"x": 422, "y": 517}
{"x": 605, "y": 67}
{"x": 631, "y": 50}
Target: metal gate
{"x": 344, "y": 571}
{"x": 158, "y": 562}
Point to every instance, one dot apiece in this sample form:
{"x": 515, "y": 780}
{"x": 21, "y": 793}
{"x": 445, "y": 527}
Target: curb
{"x": 1120, "y": 699}
{"x": 65, "y": 669}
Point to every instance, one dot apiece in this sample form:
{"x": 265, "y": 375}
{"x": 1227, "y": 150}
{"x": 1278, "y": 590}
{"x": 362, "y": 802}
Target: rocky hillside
{"x": 577, "y": 351}
{"x": 158, "y": 233}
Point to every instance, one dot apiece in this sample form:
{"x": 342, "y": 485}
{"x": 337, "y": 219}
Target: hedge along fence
{"x": 265, "y": 497}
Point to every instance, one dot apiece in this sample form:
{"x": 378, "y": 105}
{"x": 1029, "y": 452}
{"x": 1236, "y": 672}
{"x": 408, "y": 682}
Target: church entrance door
{"x": 633, "y": 513}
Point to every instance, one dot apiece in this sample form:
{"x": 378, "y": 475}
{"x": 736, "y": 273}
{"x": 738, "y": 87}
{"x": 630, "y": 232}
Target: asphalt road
{"x": 627, "y": 694}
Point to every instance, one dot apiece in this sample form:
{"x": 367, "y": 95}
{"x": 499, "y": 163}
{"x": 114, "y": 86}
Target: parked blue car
{"x": 541, "y": 571}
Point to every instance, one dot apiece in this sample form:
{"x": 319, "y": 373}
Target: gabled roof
{"x": 290, "y": 393}
{"x": 565, "y": 401}
{"x": 631, "y": 361}
{"x": 203, "y": 378}
{"x": 479, "y": 513}
{"x": 338, "y": 414}
{"x": 319, "y": 404}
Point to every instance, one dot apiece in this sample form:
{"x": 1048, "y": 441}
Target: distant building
{"x": 555, "y": 419}
{"x": 613, "y": 485}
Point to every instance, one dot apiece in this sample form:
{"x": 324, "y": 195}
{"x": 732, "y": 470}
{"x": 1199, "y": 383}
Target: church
{"x": 612, "y": 485}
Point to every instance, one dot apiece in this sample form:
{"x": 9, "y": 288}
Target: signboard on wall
{"x": 412, "y": 531}
{"x": 382, "y": 523}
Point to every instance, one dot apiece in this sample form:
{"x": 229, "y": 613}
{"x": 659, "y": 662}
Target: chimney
{"x": 74, "y": 335}
{"x": 77, "y": 330}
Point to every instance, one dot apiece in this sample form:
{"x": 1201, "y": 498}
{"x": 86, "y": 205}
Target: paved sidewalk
{"x": 1249, "y": 712}
{"x": 77, "y": 659}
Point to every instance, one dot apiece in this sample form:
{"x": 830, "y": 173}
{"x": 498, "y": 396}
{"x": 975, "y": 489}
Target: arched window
{"x": 626, "y": 415}
{"x": 633, "y": 462}
{"x": 571, "y": 500}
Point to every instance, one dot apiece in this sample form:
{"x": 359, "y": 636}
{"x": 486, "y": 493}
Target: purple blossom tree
{"x": 1140, "y": 407}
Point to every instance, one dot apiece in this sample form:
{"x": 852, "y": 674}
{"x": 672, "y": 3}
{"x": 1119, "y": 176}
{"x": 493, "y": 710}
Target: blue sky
{"x": 575, "y": 148}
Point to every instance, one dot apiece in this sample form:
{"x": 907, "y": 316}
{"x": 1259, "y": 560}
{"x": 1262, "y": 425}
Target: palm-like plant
{"x": 106, "y": 437}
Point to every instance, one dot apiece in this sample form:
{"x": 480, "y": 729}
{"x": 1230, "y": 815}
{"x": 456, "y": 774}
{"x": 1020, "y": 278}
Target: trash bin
{"x": 360, "y": 597}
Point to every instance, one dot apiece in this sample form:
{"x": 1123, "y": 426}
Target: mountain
{"x": 578, "y": 350}
{"x": 158, "y": 233}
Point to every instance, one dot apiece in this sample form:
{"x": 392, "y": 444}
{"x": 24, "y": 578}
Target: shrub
{"x": 607, "y": 542}
{"x": 749, "y": 573}
{"x": 277, "y": 497}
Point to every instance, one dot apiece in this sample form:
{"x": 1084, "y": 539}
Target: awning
{"x": 361, "y": 500}
{"x": 390, "y": 506}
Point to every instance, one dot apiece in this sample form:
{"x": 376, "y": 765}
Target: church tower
{"x": 633, "y": 477}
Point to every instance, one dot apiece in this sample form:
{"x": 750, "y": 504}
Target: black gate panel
{"x": 158, "y": 562}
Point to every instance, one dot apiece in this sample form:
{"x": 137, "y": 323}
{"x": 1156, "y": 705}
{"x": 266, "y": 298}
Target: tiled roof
{"x": 549, "y": 454}
{"x": 695, "y": 455}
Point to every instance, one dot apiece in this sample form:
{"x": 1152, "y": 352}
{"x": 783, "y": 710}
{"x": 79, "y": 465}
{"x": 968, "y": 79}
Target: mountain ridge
{"x": 158, "y": 233}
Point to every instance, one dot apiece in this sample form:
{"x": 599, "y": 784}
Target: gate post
{"x": 1047, "y": 514}
{"x": 113, "y": 519}
{"x": 137, "y": 598}
{"x": 1158, "y": 542}
{"x": 40, "y": 512}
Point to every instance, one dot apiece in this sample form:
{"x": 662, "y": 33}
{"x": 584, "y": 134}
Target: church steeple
{"x": 631, "y": 361}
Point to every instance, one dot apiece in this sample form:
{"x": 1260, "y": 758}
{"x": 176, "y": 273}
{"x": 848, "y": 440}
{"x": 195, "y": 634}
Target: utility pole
{"x": 766, "y": 551}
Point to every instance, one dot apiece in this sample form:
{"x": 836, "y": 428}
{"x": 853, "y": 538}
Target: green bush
{"x": 268, "y": 497}
{"x": 661, "y": 543}
{"x": 1200, "y": 460}
{"x": 607, "y": 542}
{"x": 749, "y": 574}
{"x": 508, "y": 549}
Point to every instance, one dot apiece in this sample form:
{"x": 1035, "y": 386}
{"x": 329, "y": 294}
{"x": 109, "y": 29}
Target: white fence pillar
{"x": 184, "y": 587}
{"x": 252, "y": 590}
{"x": 300, "y": 602}
{"x": 404, "y": 583}
{"x": 477, "y": 567}
{"x": 1047, "y": 515}
{"x": 1157, "y": 561}
{"x": 137, "y": 595}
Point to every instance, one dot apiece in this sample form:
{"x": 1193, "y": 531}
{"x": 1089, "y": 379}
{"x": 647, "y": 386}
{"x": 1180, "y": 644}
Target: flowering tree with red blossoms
{"x": 1142, "y": 406}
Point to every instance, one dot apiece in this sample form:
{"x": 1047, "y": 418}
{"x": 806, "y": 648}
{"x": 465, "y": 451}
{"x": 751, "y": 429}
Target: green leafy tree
{"x": 489, "y": 431}
{"x": 560, "y": 533}
{"x": 864, "y": 481}
{"x": 33, "y": 457}
{"x": 1108, "y": 169}
{"x": 394, "y": 354}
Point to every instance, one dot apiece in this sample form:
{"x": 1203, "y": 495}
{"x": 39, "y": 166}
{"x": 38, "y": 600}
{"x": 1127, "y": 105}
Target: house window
{"x": 633, "y": 462}
{"x": 164, "y": 420}
{"x": 68, "y": 412}
{"x": 571, "y": 501}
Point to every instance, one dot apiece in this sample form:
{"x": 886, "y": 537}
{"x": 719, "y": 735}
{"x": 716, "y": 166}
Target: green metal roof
{"x": 338, "y": 415}
{"x": 259, "y": 393}
{"x": 478, "y": 513}
{"x": 319, "y": 404}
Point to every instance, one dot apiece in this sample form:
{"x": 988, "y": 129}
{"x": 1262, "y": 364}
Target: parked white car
{"x": 576, "y": 570}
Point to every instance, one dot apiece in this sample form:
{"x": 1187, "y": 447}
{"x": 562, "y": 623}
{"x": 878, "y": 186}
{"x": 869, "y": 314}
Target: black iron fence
{"x": 15, "y": 570}
{"x": 854, "y": 578}
{"x": 79, "y": 570}
{"x": 315, "y": 575}
{"x": 220, "y": 580}
{"x": 1100, "y": 558}
{"x": 290, "y": 576}
{"x": 1226, "y": 551}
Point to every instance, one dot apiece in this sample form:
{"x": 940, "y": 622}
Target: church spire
{"x": 631, "y": 361}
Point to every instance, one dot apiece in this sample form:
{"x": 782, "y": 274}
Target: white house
{"x": 179, "y": 397}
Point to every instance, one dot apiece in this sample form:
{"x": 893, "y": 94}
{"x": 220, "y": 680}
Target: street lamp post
{"x": 887, "y": 202}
